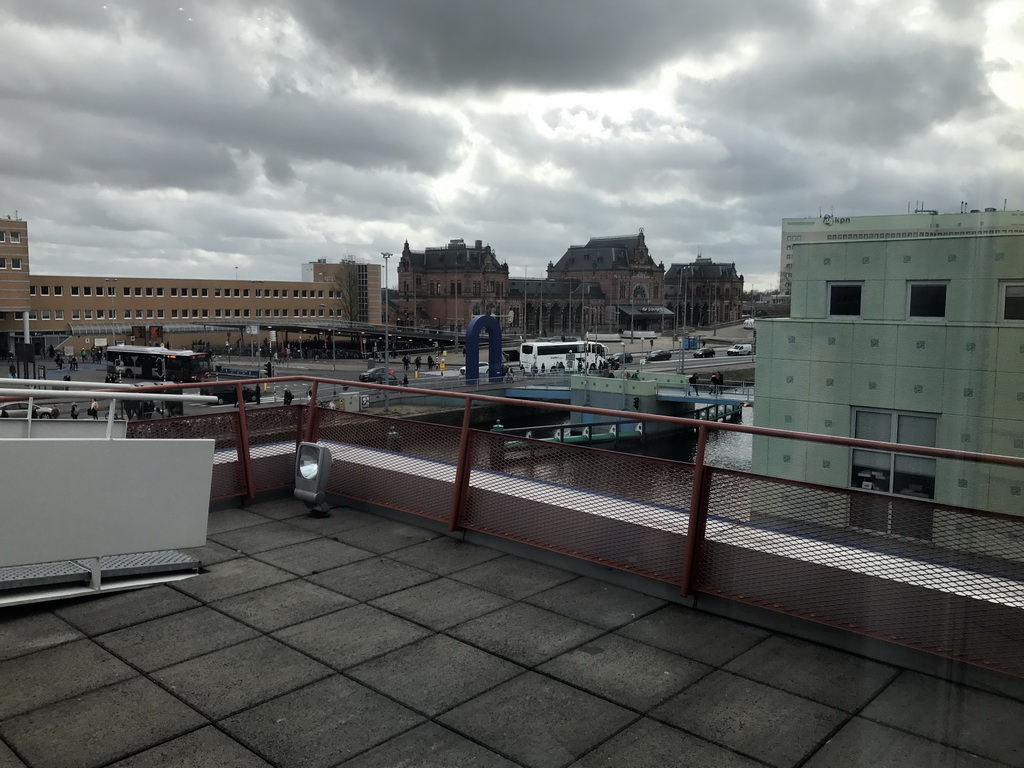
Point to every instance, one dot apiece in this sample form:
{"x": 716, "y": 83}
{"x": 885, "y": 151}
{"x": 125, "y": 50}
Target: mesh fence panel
{"x": 228, "y": 478}
{"x": 625, "y": 511}
{"x": 273, "y": 433}
{"x": 396, "y": 463}
{"x": 945, "y": 580}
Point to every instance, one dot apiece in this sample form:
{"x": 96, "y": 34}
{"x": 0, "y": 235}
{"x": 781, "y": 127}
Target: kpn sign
{"x": 828, "y": 219}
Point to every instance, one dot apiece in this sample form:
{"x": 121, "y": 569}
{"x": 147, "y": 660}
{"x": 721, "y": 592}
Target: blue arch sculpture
{"x": 494, "y": 361}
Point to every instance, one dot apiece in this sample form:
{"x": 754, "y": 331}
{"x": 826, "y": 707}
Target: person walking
{"x": 74, "y": 410}
{"x": 94, "y": 410}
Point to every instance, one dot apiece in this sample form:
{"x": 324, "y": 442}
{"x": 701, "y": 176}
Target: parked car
{"x": 484, "y": 368}
{"x": 620, "y": 358}
{"x": 740, "y": 349}
{"x": 228, "y": 394}
{"x": 659, "y": 354}
{"x": 20, "y": 411}
{"x": 704, "y": 352}
{"x": 379, "y": 375}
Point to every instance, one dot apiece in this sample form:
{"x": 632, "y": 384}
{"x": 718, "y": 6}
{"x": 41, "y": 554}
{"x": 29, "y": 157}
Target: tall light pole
{"x": 334, "y": 332}
{"x": 387, "y": 357}
{"x": 113, "y": 309}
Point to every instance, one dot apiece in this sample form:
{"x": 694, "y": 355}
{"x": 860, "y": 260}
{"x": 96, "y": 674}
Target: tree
{"x": 346, "y": 302}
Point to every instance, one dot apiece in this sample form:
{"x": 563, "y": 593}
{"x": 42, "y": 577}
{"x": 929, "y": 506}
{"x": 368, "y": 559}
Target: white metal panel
{"x": 66, "y": 499}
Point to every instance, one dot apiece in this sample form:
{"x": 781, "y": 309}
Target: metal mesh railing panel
{"x": 624, "y": 511}
{"x": 945, "y": 580}
{"x": 397, "y": 463}
{"x": 228, "y": 479}
{"x": 272, "y": 437}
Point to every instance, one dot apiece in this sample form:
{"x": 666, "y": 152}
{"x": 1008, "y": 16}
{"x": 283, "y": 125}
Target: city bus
{"x": 158, "y": 363}
{"x": 546, "y": 355}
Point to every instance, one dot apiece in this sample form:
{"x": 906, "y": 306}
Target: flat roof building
{"x": 932, "y": 224}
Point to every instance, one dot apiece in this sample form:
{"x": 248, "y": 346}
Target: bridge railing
{"x": 913, "y": 571}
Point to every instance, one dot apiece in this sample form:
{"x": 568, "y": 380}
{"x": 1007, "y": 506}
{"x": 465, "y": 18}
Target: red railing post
{"x": 698, "y": 514}
{"x": 462, "y": 470}
{"x": 311, "y": 414}
{"x": 242, "y": 432}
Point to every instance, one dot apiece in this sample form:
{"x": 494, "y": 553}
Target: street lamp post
{"x": 334, "y": 332}
{"x": 113, "y": 310}
{"x": 387, "y": 369}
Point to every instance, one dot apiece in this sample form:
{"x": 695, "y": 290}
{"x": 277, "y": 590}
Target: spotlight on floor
{"x": 312, "y": 469}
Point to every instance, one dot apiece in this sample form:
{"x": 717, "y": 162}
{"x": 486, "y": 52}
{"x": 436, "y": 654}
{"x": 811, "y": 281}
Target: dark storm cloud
{"x": 867, "y": 87}
{"x": 442, "y": 45}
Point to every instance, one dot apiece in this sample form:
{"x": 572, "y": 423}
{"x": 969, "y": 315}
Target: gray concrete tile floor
{"x": 360, "y": 642}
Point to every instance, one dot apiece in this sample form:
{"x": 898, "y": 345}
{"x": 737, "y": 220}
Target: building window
{"x": 195, "y": 293}
{"x": 245, "y": 293}
{"x": 86, "y": 290}
{"x": 216, "y": 312}
{"x": 160, "y": 314}
{"x": 15, "y": 237}
{"x": 890, "y": 472}
{"x": 111, "y": 290}
{"x": 174, "y": 313}
{"x": 99, "y": 314}
{"x": 46, "y": 314}
{"x": 1011, "y": 302}
{"x": 206, "y": 312}
{"x": 58, "y": 314}
{"x": 160, "y": 293}
{"x": 138, "y": 314}
{"x": 126, "y": 314}
{"x": 31, "y": 290}
{"x": 926, "y": 300}
{"x": 88, "y": 314}
{"x": 15, "y": 263}
{"x": 174, "y": 293}
{"x": 844, "y": 299}
{"x": 44, "y": 290}
{"x": 3, "y": 263}
{"x": 76, "y": 314}
{"x": 149, "y": 291}
{"x": 206, "y": 293}
{"x": 216, "y": 292}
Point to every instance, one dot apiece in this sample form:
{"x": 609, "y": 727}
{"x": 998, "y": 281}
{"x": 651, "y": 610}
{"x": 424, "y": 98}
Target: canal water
{"x": 729, "y": 450}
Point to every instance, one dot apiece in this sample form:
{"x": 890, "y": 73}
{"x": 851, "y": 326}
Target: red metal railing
{"x": 944, "y": 579}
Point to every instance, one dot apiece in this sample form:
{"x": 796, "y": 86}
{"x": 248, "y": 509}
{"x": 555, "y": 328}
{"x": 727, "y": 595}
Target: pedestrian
{"x": 74, "y": 410}
{"x": 405, "y": 379}
{"x": 418, "y": 362}
{"x": 693, "y": 384}
{"x": 94, "y": 410}
{"x": 405, "y": 362}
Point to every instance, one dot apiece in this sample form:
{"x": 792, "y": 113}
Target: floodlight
{"x": 312, "y": 469}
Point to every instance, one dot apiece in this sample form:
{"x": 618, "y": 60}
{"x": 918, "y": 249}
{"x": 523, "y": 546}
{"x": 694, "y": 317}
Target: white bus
{"x": 157, "y": 363}
{"x": 546, "y": 355}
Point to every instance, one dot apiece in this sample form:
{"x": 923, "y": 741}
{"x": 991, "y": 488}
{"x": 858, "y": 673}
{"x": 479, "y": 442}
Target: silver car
{"x": 20, "y": 411}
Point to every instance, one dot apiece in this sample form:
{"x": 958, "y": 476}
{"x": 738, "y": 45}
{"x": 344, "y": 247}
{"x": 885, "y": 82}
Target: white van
{"x": 740, "y": 349}
{"x": 748, "y": 323}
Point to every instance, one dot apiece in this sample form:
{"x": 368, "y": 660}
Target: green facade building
{"x": 907, "y": 339}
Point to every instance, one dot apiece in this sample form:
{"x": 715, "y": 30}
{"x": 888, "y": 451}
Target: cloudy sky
{"x": 153, "y": 138}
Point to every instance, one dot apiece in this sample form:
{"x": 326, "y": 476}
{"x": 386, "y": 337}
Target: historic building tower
{"x": 613, "y": 282}
{"x": 444, "y": 287}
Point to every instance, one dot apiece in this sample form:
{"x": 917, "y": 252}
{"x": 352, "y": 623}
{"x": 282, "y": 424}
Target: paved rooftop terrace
{"x": 361, "y": 641}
